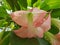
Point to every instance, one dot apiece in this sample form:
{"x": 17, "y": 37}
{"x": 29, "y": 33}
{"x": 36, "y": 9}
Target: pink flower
{"x": 58, "y": 36}
{"x": 34, "y": 22}
{"x": 52, "y": 38}
{"x": 56, "y": 39}
{"x": 55, "y": 42}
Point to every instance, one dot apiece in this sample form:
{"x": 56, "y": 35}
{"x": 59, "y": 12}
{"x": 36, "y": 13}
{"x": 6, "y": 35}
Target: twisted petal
{"x": 29, "y": 33}
{"x": 22, "y": 32}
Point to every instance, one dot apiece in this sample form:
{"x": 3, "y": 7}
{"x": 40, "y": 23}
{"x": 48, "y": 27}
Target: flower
{"x": 53, "y": 39}
{"x": 58, "y": 36}
{"x": 56, "y": 41}
{"x": 34, "y": 22}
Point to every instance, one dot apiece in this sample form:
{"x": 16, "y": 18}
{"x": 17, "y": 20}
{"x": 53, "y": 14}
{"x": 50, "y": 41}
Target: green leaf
{"x": 13, "y": 4}
{"x": 55, "y": 13}
{"x": 1, "y": 34}
{"x": 12, "y": 25}
{"x": 53, "y": 4}
{"x": 16, "y": 4}
{"x": 23, "y": 4}
{"x": 44, "y": 6}
{"x": 37, "y": 4}
{"x": 6, "y": 5}
{"x": 31, "y": 2}
{"x": 50, "y": 4}
{"x": 3, "y": 13}
{"x": 26, "y": 41}
{"x": 43, "y": 41}
{"x": 54, "y": 30}
{"x": 6, "y": 39}
{"x": 3, "y": 23}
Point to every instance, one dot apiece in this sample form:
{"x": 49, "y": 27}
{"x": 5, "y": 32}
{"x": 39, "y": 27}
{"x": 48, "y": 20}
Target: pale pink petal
{"x": 19, "y": 17}
{"x": 55, "y": 42}
{"x": 30, "y": 32}
{"x": 22, "y": 32}
{"x": 58, "y": 36}
{"x": 39, "y": 32}
{"x": 38, "y": 16}
{"x": 35, "y": 32}
{"x": 47, "y": 24}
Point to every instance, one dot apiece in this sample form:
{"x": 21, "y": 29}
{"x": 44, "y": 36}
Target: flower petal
{"x": 19, "y": 17}
{"x": 25, "y": 32}
{"x": 22, "y": 32}
{"x": 55, "y": 42}
{"x": 39, "y": 32}
{"x": 58, "y": 36}
{"x": 47, "y": 24}
{"x": 38, "y": 16}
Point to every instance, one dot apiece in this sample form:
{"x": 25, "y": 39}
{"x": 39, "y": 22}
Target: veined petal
{"x": 19, "y": 17}
{"x": 38, "y": 17}
{"x": 46, "y": 24}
